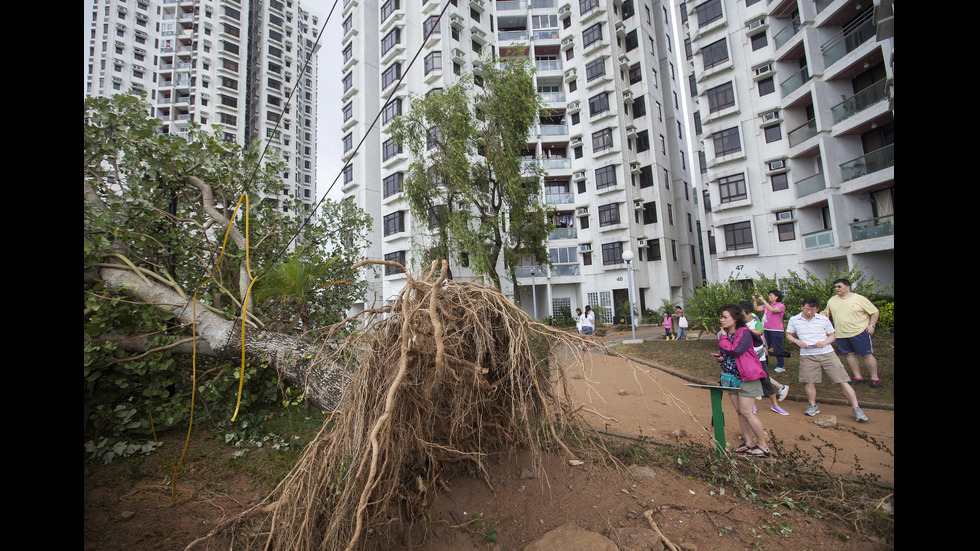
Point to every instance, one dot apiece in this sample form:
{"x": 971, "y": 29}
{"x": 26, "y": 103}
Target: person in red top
{"x": 772, "y": 324}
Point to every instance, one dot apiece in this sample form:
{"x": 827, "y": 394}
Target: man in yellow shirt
{"x": 854, "y": 318}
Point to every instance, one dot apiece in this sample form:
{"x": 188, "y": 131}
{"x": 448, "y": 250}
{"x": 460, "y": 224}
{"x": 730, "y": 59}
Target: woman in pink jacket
{"x": 737, "y": 357}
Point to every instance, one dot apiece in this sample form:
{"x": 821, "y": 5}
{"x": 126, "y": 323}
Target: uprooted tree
{"x": 448, "y": 373}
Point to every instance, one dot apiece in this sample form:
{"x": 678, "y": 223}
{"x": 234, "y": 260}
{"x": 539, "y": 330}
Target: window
{"x": 390, "y": 149}
{"x": 398, "y": 257}
{"x": 732, "y": 188}
{"x": 738, "y": 236}
{"x": 786, "y": 232}
{"x": 721, "y": 97}
{"x": 714, "y": 54}
{"x": 595, "y": 69}
{"x": 635, "y": 73}
{"x": 605, "y": 177}
{"x": 391, "y": 110}
{"x": 598, "y": 104}
{"x": 726, "y": 141}
{"x": 393, "y": 184}
{"x": 779, "y": 181}
{"x": 394, "y": 223}
{"x": 631, "y": 41}
{"x": 773, "y": 133}
{"x": 390, "y": 40}
{"x": 585, "y": 6}
{"x": 759, "y": 41}
{"x": 348, "y": 82}
{"x": 708, "y": 12}
{"x": 646, "y": 176}
{"x": 639, "y": 108}
{"x": 612, "y": 253}
{"x": 609, "y": 215}
{"x": 348, "y": 24}
{"x": 348, "y": 111}
{"x": 642, "y": 141}
{"x": 767, "y": 86}
{"x": 602, "y": 140}
{"x": 348, "y": 142}
{"x": 433, "y": 62}
{"x": 391, "y": 75}
{"x": 650, "y": 212}
{"x": 592, "y": 34}
{"x": 653, "y": 250}
{"x": 348, "y": 174}
{"x": 388, "y": 8}
{"x": 431, "y": 24}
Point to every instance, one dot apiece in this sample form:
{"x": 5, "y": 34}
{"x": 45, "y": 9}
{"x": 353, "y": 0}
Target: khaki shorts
{"x": 812, "y": 367}
{"x": 749, "y": 389}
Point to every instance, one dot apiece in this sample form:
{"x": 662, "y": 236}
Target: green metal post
{"x": 718, "y": 420}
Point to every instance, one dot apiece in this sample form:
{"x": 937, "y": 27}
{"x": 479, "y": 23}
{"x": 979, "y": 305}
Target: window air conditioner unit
{"x": 582, "y": 211}
{"x": 641, "y": 242}
{"x": 764, "y": 69}
{"x": 587, "y": 248}
{"x": 579, "y": 176}
{"x": 755, "y": 24}
{"x": 776, "y": 165}
{"x": 770, "y": 116}
{"x": 784, "y": 215}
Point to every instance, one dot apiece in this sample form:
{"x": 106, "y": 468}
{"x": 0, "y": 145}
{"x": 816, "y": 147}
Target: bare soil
{"x": 517, "y": 504}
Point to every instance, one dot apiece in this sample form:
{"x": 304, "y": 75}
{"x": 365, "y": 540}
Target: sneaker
{"x": 754, "y": 409}
{"x": 875, "y": 383}
{"x": 781, "y": 393}
{"x": 855, "y": 381}
{"x": 779, "y": 410}
{"x": 811, "y": 410}
{"x": 779, "y": 369}
{"x": 859, "y": 415}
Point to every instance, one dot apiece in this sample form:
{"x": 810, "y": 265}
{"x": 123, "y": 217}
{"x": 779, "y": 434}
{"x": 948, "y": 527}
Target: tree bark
{"x": 290, "y": 355}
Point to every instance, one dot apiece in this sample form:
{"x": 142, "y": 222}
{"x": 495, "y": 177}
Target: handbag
{"x": 730, "y": 380}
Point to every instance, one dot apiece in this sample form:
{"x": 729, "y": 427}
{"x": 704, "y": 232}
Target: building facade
{"x": 791, "y": 102}
{"x": 228, "y": 65}
{"x": 612, "y": 138}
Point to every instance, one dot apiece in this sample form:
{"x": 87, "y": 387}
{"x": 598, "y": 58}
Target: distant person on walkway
{"x": 578, "y": 319}
{"x": 772, "y": 324}
{"x": 588, "y": 324}
{"x": 855, "y": 317}
{"x": 771, "y": 388}
{"x": 814, "y": 335}
{"x": 736, "y": 355}
{"x": 681, "y": 323}
{"x": 668, "y": 323}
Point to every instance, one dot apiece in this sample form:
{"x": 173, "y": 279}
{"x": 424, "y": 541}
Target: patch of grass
{"x": 693, "y": 358}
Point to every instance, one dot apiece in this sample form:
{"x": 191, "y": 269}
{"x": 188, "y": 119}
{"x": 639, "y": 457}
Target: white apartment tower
{"x": 612, "y": 137}
{"x": 791, "y": 105}
{"x": 229, "y": 65}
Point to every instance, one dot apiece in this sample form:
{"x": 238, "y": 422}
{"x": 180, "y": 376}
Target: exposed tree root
{"x": 449, "y": 373}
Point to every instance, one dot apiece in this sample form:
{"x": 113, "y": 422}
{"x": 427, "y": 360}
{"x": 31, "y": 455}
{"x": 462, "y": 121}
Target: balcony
{"x": 802, "y": 133}
{"x": 555, "y": 164}
{"x": 559, "y": 199}
{"x": 553, "y": 97}
{"x": 811, "y": 185}
{"x": 800, "y": 78}
{"x": 512, "y": 35}
{"x": 853, "y": 35}
{"x": 553, "y": 130}
{"x": 783, "y": 36}
{"x": 859, "y": 102}
{"x": 563, "y": 233}
{"x": 818, "y": 240}
{"x": 867, "y": 164}
{"x": 511, "y": 5}
{"x": 548, "y": 64}
{"x": 883, "y": 226}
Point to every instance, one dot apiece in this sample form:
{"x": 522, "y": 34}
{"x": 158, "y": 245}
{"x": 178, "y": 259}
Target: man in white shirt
{"x": 814, "y": 334}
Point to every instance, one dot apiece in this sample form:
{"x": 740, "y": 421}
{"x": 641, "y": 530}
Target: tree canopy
{"x": 201, "y": 219}
{"x": 472, "y": 196}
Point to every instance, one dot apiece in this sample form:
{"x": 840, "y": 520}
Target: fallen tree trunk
{"x": 292, "y": 356}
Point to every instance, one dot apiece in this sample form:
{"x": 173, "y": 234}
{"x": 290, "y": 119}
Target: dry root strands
{"x": 454, "y": 372}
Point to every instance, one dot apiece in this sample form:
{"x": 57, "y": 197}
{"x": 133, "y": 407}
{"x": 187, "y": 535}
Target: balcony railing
{"x": 554, "y": 97}
{"x": 554, "y": 130}
{"x": 563, "y": 233}
{"x": 512, "y": 35}
{"x": 859, "y": 101}
{"x": 783, "y": 36}
{"x": 792, "y": 83}
{"x": 511, "y": 5}
{"x": 811, "y": 185}
{"x": 559, "y": 198}
{"x": 850, "y": 37}
{"x": 818, "y": 240}
{"x": 525, "y": 271}
{"x": 803, "y": 133}
{"x": 875, "y": 227}
{"x": 548, "y": 64}
{"x": 872, "y": 162}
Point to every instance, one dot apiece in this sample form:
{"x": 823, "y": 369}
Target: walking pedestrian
{"x": 681, "y": 323}
{"x": 773, "y": 310}
{"x": 814, "y": 335}
{"x": 855, "y": 317}
{"x": 771, "y": 388}
{"x": 668, "y": 323}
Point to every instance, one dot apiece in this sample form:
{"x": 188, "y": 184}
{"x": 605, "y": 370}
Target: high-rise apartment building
{"x": 791, "y": 105}
{"x": 229, "y": 65}
{"x": 612, "y": 137}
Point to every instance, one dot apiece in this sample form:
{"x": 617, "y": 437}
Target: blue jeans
{"x": 775, "y": 340}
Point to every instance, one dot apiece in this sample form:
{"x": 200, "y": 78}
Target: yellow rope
{"x": 224, "y": 244}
